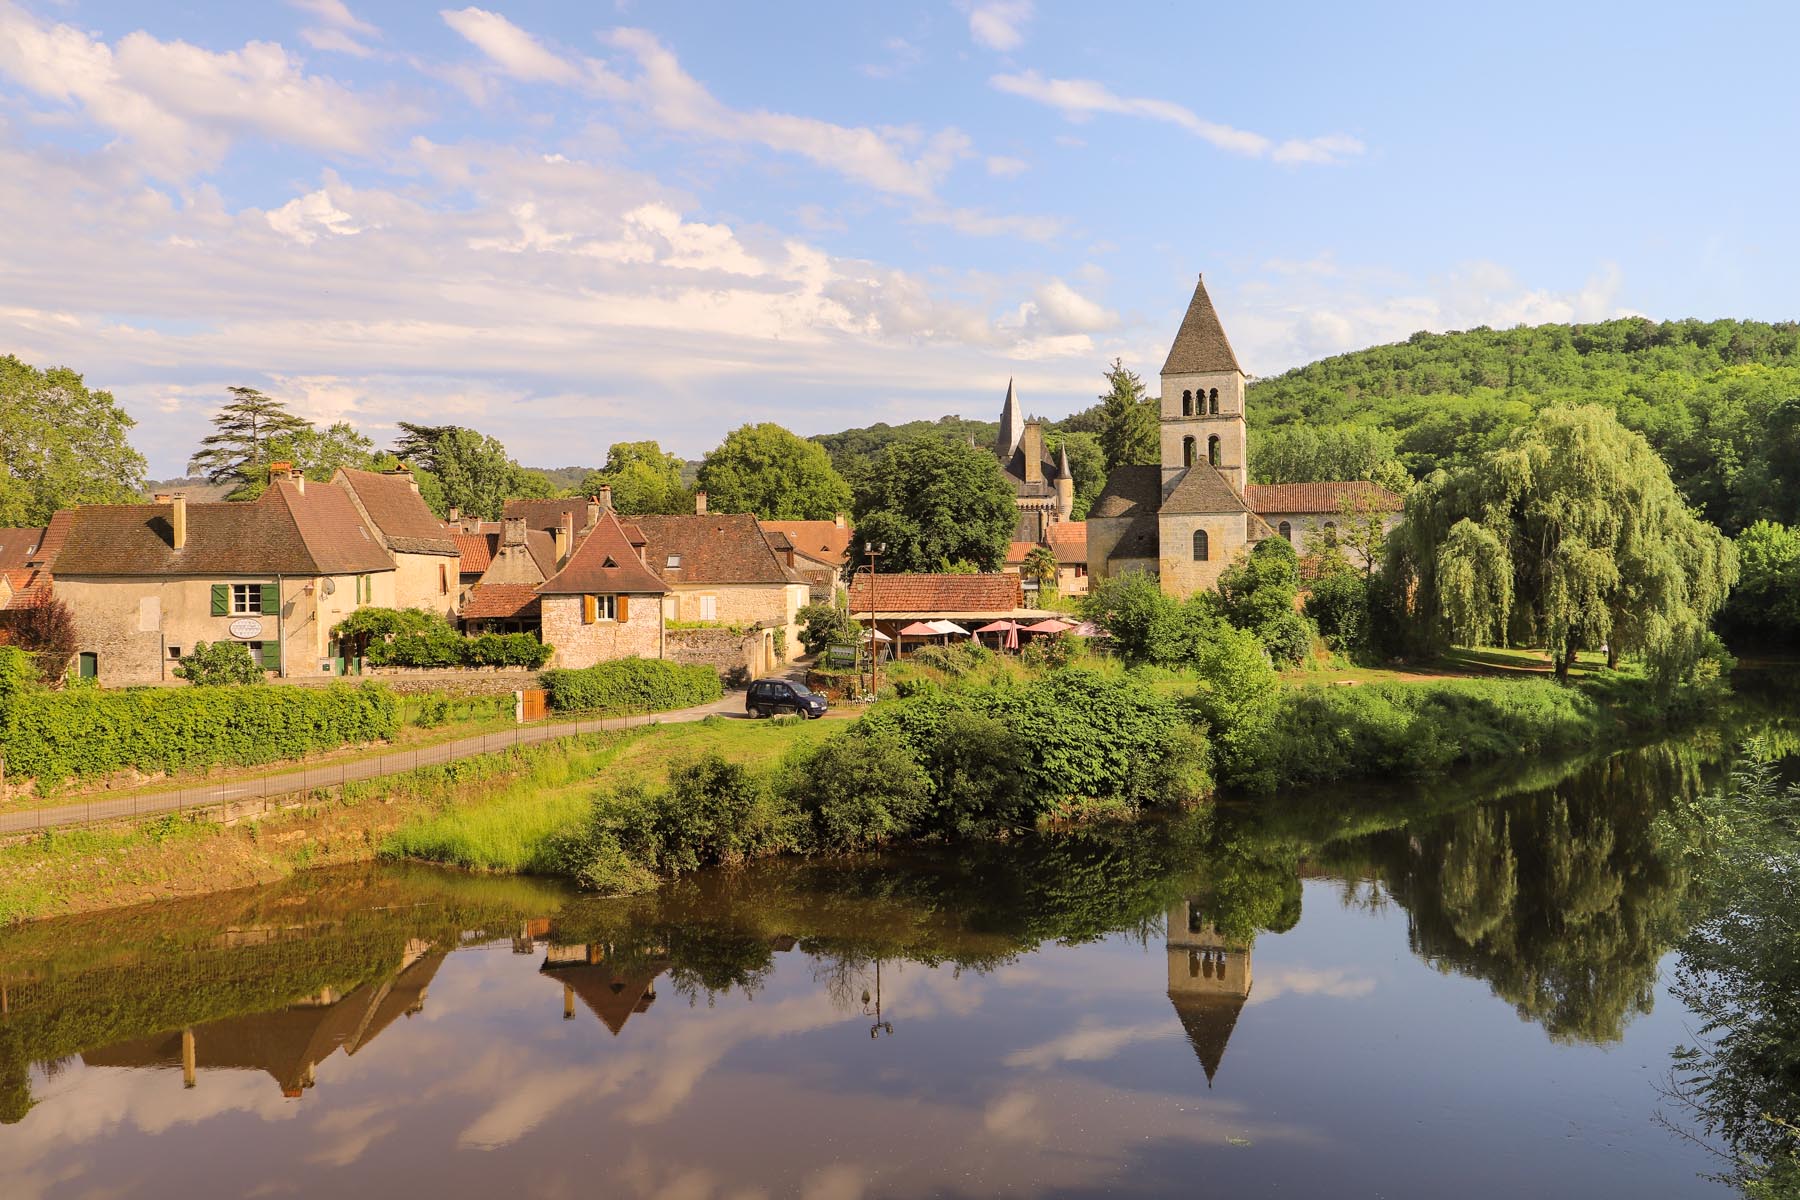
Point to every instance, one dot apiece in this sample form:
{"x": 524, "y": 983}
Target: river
{"x": 1459, "y": 989}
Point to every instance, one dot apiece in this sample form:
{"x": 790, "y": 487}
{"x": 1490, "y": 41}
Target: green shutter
{"x": 221, "y": 599}
{"x": 271, "y": 656}
{"x": 271, "y": 600}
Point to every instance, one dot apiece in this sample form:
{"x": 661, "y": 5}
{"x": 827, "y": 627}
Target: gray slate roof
{"x": 1200, "y": 346}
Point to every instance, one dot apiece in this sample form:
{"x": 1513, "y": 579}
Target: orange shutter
{"x": 624, "y": 608}
{"x": 587, "y": 610}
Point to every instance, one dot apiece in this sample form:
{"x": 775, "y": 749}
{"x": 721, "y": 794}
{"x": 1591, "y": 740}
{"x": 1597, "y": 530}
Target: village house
{"x": 604, "y": 602}
{"x": 1189, "y": 518}
{"x": 427, "y": 567}
{"x": 1067, "y": 543}
{"x": 145, "y": 582}
{"x": 720, "y": 568}
{"x": 816, "y": 549}
{"x": 26, "y": 558}
{"x": 502, "y": 598}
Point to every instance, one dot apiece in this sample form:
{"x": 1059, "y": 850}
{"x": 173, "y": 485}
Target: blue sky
{"x": 570, "y": 225}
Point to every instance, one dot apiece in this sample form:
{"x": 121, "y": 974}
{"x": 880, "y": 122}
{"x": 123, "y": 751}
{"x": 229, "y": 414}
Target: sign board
{"x": 246, "y": 629}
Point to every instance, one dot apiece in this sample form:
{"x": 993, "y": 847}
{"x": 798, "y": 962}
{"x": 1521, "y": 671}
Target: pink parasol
{"x": 1050, "y": 626}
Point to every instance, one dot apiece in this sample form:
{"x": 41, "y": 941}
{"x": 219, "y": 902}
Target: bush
{"x": 860, "y": 789}
{"x": 631, "y": 685}
{"x": 1288, "y": 637}
{"x": 47, "y": 631}
{"x": 218, "y": 664}
{"x": 1236, "y": 699}
{"x": 954, "y": 659}
{"x": 88, "y": 732}
{"x": 1339, "y": 605}
{"x": 412, "y": 637}
{"x": 823, "y": 625}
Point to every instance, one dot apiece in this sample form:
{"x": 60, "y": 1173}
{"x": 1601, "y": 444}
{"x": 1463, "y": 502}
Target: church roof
{"x": 1320, "y": 497}
{"x": 1200, "y": 346}
{"x": 1208, "y": 1020}
{"x": 1129, "y": 491}
{"x": 1201, "y": 489}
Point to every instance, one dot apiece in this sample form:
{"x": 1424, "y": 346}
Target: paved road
{"x": 291, "y": 782}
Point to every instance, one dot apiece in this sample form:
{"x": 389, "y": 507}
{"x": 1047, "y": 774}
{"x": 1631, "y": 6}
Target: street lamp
{"x": 874, "y": 550}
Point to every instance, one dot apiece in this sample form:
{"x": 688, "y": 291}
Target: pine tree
{"x": 1128, "y": 429}
{"x": 243, "y": 430}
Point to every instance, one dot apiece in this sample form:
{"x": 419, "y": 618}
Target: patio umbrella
{"x": 1050, "y": 626}
{"x": 949, "y": 629}
{"x": 1009, "y": 628}
{"x": 1088, "y": 629}
{"x": 879, "y": 636}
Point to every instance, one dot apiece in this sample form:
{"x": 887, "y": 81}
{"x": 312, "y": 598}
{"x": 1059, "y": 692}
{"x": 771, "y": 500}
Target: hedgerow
{"x": 52, "y": 736}
{"x": 411, "y": 637}
{"x": 631, "y": 685}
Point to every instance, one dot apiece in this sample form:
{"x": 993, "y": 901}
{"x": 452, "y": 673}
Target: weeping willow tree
{"x": 1571, "y": 535}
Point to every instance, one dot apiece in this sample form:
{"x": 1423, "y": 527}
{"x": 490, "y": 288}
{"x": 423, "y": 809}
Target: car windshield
{"x": 800, "y": 689}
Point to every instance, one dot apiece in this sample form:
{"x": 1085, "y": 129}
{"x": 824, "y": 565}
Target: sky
{"x": 570, "y": 225}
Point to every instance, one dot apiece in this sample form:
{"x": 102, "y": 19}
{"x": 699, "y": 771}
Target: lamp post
{"x": 874, "y": 550}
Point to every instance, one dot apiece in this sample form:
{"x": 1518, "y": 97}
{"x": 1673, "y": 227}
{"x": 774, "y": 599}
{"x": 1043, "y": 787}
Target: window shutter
{"x": 587, "y": 610}
{"x": 221, "y": 599}
{"x": 271, "y": 598}
{"x": 271, "y": 656}
{"x": 624, "y": 608}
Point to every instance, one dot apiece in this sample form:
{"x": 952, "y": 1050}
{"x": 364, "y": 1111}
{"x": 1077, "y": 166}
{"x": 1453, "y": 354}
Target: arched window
{"x": 1187, "y": 452}
{"x": 1213, "y": 403}
{"x": 1286, "y": 531}
{"x": 1200, "y": 545}
{"x": 1187, "y": 404}
{"x": 1212, "y": 450}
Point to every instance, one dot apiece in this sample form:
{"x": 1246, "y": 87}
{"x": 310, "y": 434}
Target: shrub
{"x": 860, "y": 789}
{"x": 954, "y": 659}
{"x": 1288, "y": 637}
{"x": 412, "y": 637}
{"x": 823, "y": 625}
{"x": 47, "y": 631}
{"x": 89, "y": 732}
{"x": 218, "y": 664}
{"x": 1236, "y": 699}
{"x": 1339, "y": 605}
{"x": 631, "y": 685}
{"x": 1057, "y": 651}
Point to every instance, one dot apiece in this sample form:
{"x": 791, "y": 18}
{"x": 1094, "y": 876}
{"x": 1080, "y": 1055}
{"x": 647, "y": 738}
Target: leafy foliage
{"x": 244, "y": 430}
{"x": 1129, "y": 430}
{"x": 472, "y": 471}
{"x": 60, "y": 445}
{"x": 1766, "y": 602}
{"x": 1338, "y": 604}
{"x": 88, "y": 732}
{"x": 644, "y": 479}
{"x": 1087, "y": 462}
{"x": 935, "y": 504}
{"x": 218, "y": 664}
{"x": 823, "y": 625}
{"x": 413, "y": 637}
{"x": 316, "y": 453}
{"x": 1260, "y": 594}
{"x": 779, "y": 476}
{"x": 631, "y": 685}
{"x": 47, "y": 632}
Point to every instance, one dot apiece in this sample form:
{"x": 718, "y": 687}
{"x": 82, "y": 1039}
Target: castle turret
{"x": 1065, "y": 484}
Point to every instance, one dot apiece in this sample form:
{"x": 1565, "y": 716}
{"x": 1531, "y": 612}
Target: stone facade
{"x": 1227, "y": 540}
{"x": 775, "y": 606}
{"x": 735, "y": 656}
{"x": 427, "y": 581}
{"x": 582, "y": 644}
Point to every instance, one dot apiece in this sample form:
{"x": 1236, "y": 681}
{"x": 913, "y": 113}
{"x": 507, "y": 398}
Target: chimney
{"x": 700, "y": 503}
{"x": 512, "y": 531}
{"x": 605, "y": 496}
{"x": 299, "y": 481}
{"x": 161, "y": 498}
{"x": 455, "y": 514}
{"x": 403, "y": 470}
{"x": 838, "y": 520}
{"x": 1033, "y": 446}
{"x": 562, "y": 536}
{"x": 178, "y": 518}
{"x": 593, "y": 514}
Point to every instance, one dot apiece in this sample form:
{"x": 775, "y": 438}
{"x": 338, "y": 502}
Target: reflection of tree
{"x": 1740, "y": 972}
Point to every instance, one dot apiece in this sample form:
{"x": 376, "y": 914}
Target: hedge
{"x": 631, "y": 685}
{"x": 412, "y": 637}
{"x": 87, "y": 732}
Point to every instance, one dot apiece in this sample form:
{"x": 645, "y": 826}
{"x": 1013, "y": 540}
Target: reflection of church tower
{"x": 1209, "y": 980}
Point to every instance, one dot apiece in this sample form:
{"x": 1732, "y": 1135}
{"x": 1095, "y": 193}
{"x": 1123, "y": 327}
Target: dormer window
{"x": 609, "y": 562}
{"x": 674, "y": 562}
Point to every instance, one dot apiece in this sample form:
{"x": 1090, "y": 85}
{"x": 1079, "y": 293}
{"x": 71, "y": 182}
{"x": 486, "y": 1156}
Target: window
{"x": 174, "y": 651}
{"x": 443, "y": 579}
{"x": 709, "y": 608}
{"x": 1200, "y": 547}
{"x": 1212, "y": 405}
{"x": 1187, "y": 452}
{"x": 1212, "y": 450}
{"x": 246, "y": 599}
{"x": 1286, "y": 531}
{"x": 599, "y": 608}
{"x": 674, "y": 562}
{"x": 1187, "y": 404}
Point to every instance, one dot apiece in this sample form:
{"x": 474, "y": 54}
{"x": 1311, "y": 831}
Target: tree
{"x": 937, "y": 503}
{"x": 1571, "y": 532}
{"x": 61, "y": 445}
{"x": 823, "y": 625}
{"x": 644, "y": 479}
{"x": 1040, "y": 565}
{"x": 318, "y": 453}
{"x": 766, "y": 470}
{"x": 1087, "y": 462}
{"x": 1129, "y": 431}
{"x": 243, "y": 432}
{"x": 1362, "y": 526}
{"x": 1260, "y": 593}
{"x": 47, "y": 631}
{"x": 473, "y": 470}
{"x": 1767, "y": 600}
{"x": 218, "y": 664}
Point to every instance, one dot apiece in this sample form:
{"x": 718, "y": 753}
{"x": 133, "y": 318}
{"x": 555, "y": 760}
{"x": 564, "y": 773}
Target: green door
{"x": 89, "y": 664}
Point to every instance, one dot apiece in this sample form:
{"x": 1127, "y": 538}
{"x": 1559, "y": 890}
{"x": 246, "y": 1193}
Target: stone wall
{"x": 1227, "y": 540}
{"x": 724, "y": 650}
{"x": 580, "y": 644}
{"x": 427, "y": 581}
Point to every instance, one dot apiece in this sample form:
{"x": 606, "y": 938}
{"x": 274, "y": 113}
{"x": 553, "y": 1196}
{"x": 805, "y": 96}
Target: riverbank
{"x": 526, "y": 811}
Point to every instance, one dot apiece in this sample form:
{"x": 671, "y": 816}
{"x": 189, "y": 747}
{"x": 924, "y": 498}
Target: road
{"x": 287, "y": 782}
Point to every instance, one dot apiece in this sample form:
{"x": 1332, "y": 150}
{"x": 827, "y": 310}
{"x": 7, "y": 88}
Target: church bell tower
{"x": 1203, "y": 399}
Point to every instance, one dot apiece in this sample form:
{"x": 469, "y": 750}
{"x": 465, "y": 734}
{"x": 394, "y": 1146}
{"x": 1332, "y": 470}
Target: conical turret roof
{"x": 1200, "y": 346}
{"x": 1012, "y": 426}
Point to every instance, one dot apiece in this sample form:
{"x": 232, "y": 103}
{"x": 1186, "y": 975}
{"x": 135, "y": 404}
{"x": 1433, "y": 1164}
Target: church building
{"x": 1188, "y": 518}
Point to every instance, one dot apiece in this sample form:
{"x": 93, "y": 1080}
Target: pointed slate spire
{"x": 1012, "y": 426}
{"x": 1062, "y": 463}
{"x": 1200, "y": 346}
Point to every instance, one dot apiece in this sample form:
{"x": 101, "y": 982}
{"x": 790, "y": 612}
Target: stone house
{"x": 1192, "y": 515}
{"x": 819, "y": 550}
{"x": 604, "y": 602}
{"x": 145, "y": 582}
{"x": 427, "y": 567}
{"x": 26, "y": 558}
{"x": 720, "y": 568}
{"x": 1309, "y": 515}
{"x": 503, "y": 597}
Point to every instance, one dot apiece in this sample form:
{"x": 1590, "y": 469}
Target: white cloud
{"x": 337, "y": 15}
{"x": 1090, "y": 1042}
{"x": 1000, "y": 24}
{"x": 1080, "y": 99}
{"x": 335, "y": 40}
{"x": 1003, "y": 167}
{"x": 305, "y": 218}
{"x": 179, "y": 106}
{"x": 513, "y": 50}
{"x": 1065, "y": 310}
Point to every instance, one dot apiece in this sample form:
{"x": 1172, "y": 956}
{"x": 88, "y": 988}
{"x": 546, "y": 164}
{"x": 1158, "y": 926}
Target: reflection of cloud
{"x": 1338, "y": 982}
{"x": 1089, "y": 1043}
{"x": 1014, "y": 1116}
{"x": 351, "y": 1131}
{"x": 843, "y": 1181}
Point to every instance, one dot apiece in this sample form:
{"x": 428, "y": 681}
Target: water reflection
{"x": 1053, "y": 1000}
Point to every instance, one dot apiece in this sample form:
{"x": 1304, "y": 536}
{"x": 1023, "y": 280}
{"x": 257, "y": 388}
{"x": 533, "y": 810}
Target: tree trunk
{"x": 1612, "y": 657}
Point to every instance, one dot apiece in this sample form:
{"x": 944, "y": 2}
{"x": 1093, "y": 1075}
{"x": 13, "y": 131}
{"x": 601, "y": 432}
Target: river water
{"x": 1456, "y": 990}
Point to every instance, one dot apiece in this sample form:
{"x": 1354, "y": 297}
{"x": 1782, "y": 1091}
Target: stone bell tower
{"x": 1203, "y": 399}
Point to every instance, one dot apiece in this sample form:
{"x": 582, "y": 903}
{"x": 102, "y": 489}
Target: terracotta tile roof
{"x": 55, "y": 534}
{"x": 284, "y": 532}
{"x": 1201, "y": 489}
{"x": 710, "y": 548}
{"x": 604, "y": 562}
{"x": 1200, "y": 346}
{"x": 18, "y": 545}
{"x": 938, "y": 593}
{"x": 1016, "y": 552}
{"x": 1320, "y": 497}
{"x": 1069, "y": 540}
{"x": 476, "y": 551}
{"x": 547, "y": 514}
{"x": 826, "y": 541}
{"x": 542, "y": 548}
{"x": 396, "y": 511}
{"x": 500, "y": 601}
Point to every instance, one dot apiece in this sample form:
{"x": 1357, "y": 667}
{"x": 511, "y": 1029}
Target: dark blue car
{"x": 769, "y": 696}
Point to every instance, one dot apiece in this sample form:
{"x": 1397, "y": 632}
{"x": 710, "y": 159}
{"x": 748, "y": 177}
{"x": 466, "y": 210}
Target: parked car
{"x": 769, "y": 696}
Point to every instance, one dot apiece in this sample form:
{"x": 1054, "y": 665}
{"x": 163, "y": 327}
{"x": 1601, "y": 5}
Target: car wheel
{"x": 759, "y": 712}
